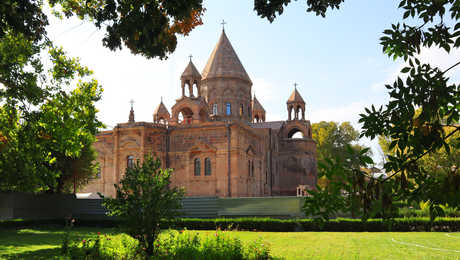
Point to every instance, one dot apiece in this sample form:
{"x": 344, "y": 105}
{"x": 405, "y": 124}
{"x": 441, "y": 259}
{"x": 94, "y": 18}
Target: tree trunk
{"x": 150, "y": 240}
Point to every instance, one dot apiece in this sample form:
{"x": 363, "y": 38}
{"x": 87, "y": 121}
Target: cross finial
{"x": 190, "y": 56}
{"x": 223, "y": 24}
{"x": 295, "y": 85}
{"x": 132, "y": 103}
{"x": 161, "y": 99}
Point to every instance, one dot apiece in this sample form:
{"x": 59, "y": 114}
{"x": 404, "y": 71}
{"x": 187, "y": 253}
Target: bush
{"x": 174, "y": 245}
{"x": 143, "y": 198}
{"x": 271, "y": 225}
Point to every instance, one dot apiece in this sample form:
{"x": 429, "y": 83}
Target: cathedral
{"x": 217, "y": 140}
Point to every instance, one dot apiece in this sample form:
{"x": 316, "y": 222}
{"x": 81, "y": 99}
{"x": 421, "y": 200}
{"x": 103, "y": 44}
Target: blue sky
{"x": 337, "y": 61}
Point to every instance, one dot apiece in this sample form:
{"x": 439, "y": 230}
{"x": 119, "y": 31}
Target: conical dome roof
{"x": 224, "y": 62}
{"x": 295, "y": 97}
{"x": 191, "y": 71}
{"x": 256, "y": 106}
{"x": 161, "y": 110}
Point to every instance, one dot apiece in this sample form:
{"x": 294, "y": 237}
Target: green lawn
{"x": 44, "y": 244}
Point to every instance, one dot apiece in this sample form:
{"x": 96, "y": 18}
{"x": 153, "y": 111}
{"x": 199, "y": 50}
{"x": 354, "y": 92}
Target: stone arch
{"x": 187, "y": 114}
{"x": 293, "y": 133}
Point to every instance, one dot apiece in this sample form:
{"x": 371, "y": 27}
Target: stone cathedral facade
{"x": 216, "y": 140}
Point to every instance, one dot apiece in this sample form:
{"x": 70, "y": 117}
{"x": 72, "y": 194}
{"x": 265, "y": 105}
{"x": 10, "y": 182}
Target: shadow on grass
{"x": 49, "y": 253}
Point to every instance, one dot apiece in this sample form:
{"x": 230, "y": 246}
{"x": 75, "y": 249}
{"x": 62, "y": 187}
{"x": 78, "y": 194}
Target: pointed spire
{"x": 161, "y": 110}
{"x": 131, "y": 112}
{"x": 224, "y": 62}
{"x": 191, "y": 71}
{"x": 256, "y": 106}
{"x": 295, "y": 96}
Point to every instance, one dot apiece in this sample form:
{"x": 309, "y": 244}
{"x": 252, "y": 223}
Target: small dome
{"x": 191, "y": 71}
{"x": 161, "y": 111}
{"x": 295, "y": 97}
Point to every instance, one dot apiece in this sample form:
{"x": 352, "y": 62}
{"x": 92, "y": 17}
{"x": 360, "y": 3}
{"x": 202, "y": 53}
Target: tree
{"x": 425, "y": 87}
{"x": 437, "y": 181}
{"x": 69, "y": 119}
{"x": 43, "y": 123}
{"x": 144, "y": 197}
{"x": 148, "y": 27}
{"x": 349, "y": 189}
{"x": 332, "y": 138}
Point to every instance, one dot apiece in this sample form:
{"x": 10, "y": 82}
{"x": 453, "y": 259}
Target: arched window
{"x": 228, "y": 108}
{"x": 249, "y": 167}
{"x": 197, "y": 167}
{"x": 180, "y": 118}
{"x": 214, "y": 109}
{"x": 207, "y": 167}
{"x": 296, "y": 134}
{"x": 99, "y": 172}
{"x": 241, "y": 110}
{"x": 130, "y": 161}
{"x": 252, "y": 168}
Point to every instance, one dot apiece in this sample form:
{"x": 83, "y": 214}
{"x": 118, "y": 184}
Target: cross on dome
{"x": 132, "y": 103}
{"x": 223, "y": 24}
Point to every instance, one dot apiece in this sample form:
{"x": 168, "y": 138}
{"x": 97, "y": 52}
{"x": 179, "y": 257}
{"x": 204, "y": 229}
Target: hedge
{"x": 270, "y": 224}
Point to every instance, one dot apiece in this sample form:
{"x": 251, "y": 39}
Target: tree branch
{"x": 420, "y": 156}
{"x": 451, "y": 67}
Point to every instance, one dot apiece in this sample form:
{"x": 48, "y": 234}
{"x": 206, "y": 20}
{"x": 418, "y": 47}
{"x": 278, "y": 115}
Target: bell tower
{"x": 296, "y": 104}
{"x": 191, "y": 79}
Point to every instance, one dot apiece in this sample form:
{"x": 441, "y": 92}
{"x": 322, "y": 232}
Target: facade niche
{"x": 197, "y": 167}
{"x": 130, "y": 161}
{"x": 207, "y": 167}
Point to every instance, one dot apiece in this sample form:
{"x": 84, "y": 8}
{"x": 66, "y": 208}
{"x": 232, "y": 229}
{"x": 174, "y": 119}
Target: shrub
{"x": 173, "y": 245}
{"x": 144, "y": 197}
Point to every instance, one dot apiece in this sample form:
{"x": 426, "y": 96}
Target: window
{"x": 249, "y": 168}
{"x": 207, "y": 167}
{"x": 229, "y": 109}
{"x": 241, "y": 110}
{"x": 197, "y": 167}
{"x": 130, "y": 161}
{"x": 252, "y": 168}
{"x": 214, "y": 109}
{"x": 99, "y": 172}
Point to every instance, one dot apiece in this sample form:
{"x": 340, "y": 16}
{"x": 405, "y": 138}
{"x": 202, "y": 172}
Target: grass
{"x": 44, "y": 243}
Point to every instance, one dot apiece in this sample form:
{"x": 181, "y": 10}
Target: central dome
{"x": 224, "y": 62}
